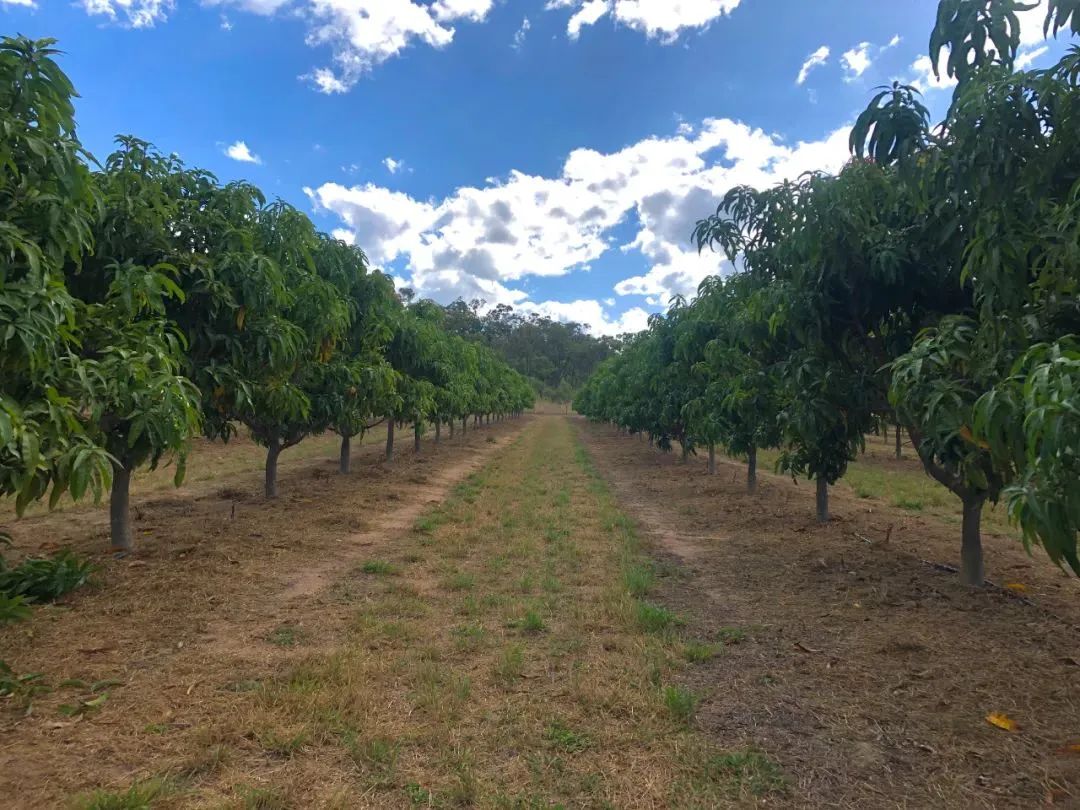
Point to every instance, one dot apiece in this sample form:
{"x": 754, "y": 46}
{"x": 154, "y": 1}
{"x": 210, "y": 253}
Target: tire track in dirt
{"x": 298, "y": 594}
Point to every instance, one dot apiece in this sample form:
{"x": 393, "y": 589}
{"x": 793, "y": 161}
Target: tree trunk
{"x": 120, "y": 509}
{"x": 971, "y": 555}
{"x": 464, "y": 425}
{"x": 390, "y": 439}
{"x": 751, "y": 471}
{"x": 272, "y": 453}
{"x": 345, "y": 465}
{"x": 452, "y": 425}
{"x": 712, "y": 459}
{"x": 685, "y": 451}
{"x": 417, "y": 427}
{"x": 438, "y": 431}
{"x": 899, "y": 443}
{"x": 822, "y": 500}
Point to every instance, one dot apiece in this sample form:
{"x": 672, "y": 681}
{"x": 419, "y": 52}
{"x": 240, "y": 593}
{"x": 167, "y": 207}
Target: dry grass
{"x": 505, "y": 667}
{"x": 481, "y": 649}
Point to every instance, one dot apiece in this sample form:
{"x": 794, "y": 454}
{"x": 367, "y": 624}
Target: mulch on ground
{"x": 866, "y": 673}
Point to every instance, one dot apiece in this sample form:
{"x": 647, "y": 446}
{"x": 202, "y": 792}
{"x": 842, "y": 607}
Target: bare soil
{"x": 219, "y": 585}
{"x": 866, "y": 672}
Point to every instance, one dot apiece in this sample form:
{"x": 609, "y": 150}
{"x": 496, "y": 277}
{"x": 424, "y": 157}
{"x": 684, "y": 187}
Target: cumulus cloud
{"x": 241, "y": 152}
{"x": 816, "y": 59}
{"x": 481, "y": 242}
{"x": 657, "y": 19}
{"x": 133, "y": 13}
{"x": 23, "y": 3}
{"x": 593, "y": 314}
{"x": 856, "y": 61}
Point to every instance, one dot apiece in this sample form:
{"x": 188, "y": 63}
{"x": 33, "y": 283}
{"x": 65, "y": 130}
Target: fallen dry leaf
{"x": 1073, "y": 748}
{"x": 1002, "y": 721}
{"x": 1016, "y": 587}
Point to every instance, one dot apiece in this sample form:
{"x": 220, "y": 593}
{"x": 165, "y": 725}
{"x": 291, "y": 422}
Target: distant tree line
{"x": 557, "y": 357}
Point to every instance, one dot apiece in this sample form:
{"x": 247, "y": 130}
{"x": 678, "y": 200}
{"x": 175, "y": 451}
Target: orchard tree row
{"x": 934, "y": 282}
{"x": 142, "y": 302}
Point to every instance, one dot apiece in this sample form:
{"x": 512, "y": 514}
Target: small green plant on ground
{"x": 697, "y": 652}
{"x": 638, "y": 579}
{"x": 731, "y": 635}
{"x": 287, "y": 636}
{"x": 656, "y": 619}
{"x": 532, "y": 623}
{"x": 254, "y": 798}
{"x": 567, "y": 740}
{"x": 140, "y": 796}
{"x": 511, "y": 663}
{"x": 745, "y": 774}
{"x": 43, "y": 579}
{"x": 378, "y": 568}
{"x": 460, "y": 582}
{"x": 680, "y": 703}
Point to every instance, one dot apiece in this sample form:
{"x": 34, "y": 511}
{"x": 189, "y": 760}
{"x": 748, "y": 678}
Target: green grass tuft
{"x": 655, "y": 619}
{"x": 680, "y": 703}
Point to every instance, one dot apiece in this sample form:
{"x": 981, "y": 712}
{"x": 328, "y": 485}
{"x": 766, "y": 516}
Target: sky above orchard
{"x": 549, "y": 154}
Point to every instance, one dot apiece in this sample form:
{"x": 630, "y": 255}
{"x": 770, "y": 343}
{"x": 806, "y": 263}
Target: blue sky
{"x": 550, "y": 154}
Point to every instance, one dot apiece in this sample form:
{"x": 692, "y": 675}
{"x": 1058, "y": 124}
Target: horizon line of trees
{"x": 142, "y": 303}
{"x": 934, "y": 283}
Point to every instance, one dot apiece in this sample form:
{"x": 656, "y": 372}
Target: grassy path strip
{"x": 505, "y": 656}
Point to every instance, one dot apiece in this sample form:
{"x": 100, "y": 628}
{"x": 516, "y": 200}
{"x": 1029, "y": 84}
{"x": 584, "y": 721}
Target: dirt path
{"x": 220, "y": 590}
{"x": 867, "y": 674}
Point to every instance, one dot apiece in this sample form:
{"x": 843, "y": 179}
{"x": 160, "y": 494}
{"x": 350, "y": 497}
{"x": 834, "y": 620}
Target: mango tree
{"x": 46, "y": 211}
{"x": 142, "y": 407}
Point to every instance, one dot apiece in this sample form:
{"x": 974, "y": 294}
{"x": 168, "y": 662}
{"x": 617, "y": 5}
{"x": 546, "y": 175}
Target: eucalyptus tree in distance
{"x": 46, "y": 210}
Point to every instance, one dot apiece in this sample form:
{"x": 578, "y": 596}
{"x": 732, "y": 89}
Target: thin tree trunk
{"x": 685, "y": 451}
{"x": 390, "y": 439}
{"x": 751, "y": 471}
{"x": 272, "y": 453}
{"x": 438, "y": 431}
{"x": 822, "y": 500}
{"x": 452, "y": 425}
{"x": 345, "y": 465}
{"x": 971, "y": 554}
{"x": 899, "y": 443}
{"x": 712, "y": 459}
{"x": 120, "y": 510}
{"x": 417, "y": 427}
{"x": 464, "y": 425}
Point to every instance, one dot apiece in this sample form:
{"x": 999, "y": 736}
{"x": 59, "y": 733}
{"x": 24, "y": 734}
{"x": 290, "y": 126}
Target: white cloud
{"x": 896, "y": 40}
{"x": 393, "y": 166}
{"x": 520, "y": 34}
{"x": 23, "y": 3}
{"x": 482, "y": 242}
{"x": 226, "y": 25}
{"x": 816, "y": 59}
{"x": 924, "y": 78}
{"x": 856, "y": 61}
{"x": 134, "y": 13}
{"x": 657, "y": 19}
{"x": 240, "y": 151}
{"x": 1025, "y": 59}
{"x": 591, "y": 313}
